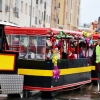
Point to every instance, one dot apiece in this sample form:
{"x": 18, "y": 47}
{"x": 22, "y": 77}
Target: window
{"x": 21, "y": 6}
{"x": 44, "y": 5}
{"x": 47, "y": 19}
{"x": 39, "y": 14}
{"x": 77, "y": 22}
{"x": 41, "y": 42}
{"x": 66, "y": 15}
{"x": 67, "y": 2}
{"x": 29, "y": 10}
{"x": 70, "y": 17}
{"x": 59, "y": 5}
{"x": 35, "y": 20}
{"x": 71, "y": 4}
{"x": 58, "y": 21}
{"x": 44, "y": 15}
{"x": 36, "y": 1}
{"x": 78, "y": 10}
{"x": 36, "y": 11}
{"x": 17, "y": 15}
{"x": 26, "y": 8}
{"x": 0, "y": 5}
{"x": 33, "y": 11}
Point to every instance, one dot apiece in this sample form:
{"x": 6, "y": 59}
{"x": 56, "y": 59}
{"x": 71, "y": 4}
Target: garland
{"x": 61, "y": 35}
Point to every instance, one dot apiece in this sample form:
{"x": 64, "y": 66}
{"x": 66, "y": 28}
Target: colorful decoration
{"x": 88, "y": 38}
{"x": 52, "y": 38}
{"x": 56, "y": 71}
{"x": 61, "y": 34}
{"x": 87, "y": 41}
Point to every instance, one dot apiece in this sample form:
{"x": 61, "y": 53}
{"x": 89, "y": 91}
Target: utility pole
{"x": 31, "y": 14}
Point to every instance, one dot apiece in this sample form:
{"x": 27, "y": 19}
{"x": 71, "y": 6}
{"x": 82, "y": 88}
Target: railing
{"x": 13, "y": 47}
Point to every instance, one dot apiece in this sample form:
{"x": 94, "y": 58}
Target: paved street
{"x": 88, "y": 93}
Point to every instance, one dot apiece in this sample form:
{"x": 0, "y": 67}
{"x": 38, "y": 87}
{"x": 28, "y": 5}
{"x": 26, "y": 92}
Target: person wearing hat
{"x": 95, "y": 60}
{"x": 71, "y": 53}
{"x": 48, "y": 53}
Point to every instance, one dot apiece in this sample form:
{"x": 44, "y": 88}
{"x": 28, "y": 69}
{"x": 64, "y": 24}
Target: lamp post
{"x": 31, "y": 14}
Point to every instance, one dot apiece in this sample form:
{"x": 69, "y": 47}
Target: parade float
{"x": 40, "y": 73}
{"x": 27, "y": 68}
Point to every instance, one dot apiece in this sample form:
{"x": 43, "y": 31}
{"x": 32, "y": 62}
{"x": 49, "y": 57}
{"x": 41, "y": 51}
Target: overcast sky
{"x": 90, "y": 10}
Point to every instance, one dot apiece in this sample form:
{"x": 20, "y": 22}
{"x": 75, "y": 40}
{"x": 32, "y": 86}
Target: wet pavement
{"x": 88, "y": 92}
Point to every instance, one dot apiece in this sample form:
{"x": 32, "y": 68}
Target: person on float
{"x": 32, "y": 46}
{"x": 71, "y": 53}
{"x": 48, "y": 53}
{"x": 95, "y": 60}
{"x": 58, "y": 52}
{"x": 63, "y": 53}
{"x": 81, "y": 53}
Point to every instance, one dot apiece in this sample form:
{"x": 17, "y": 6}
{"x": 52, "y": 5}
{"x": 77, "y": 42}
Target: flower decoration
{"x": 56, "y": 71}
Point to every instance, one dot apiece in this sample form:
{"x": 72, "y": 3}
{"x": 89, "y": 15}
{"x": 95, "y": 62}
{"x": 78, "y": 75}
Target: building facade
{"x": 34, "y": 13}
{"x": 65, "y": 14}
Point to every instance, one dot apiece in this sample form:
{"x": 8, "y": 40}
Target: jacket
{"x": 93, "y": 60}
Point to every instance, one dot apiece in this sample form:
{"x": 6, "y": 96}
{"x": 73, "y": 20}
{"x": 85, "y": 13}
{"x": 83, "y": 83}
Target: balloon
{"x": 56, "y": 73}
{"x": 91, "y": 42}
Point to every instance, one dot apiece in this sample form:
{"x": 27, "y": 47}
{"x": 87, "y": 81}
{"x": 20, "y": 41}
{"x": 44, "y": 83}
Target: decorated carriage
{"x": 29, "y": 46}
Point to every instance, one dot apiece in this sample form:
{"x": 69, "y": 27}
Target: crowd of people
{"x": 72, "y": 54}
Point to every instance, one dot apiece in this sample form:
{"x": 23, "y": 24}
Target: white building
{"x": 20, "y": 12}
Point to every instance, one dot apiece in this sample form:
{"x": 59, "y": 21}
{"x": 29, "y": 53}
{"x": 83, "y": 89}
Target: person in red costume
{"x": 32, "y": 47}
{"x": 71, "y": 53}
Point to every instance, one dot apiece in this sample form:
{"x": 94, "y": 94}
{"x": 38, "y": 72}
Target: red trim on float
{"x": 94, "y": 79}
{"x": 55, "y": 88}
{"x": 37, "y": 31}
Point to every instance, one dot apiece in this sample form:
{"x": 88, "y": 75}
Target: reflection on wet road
{"x": 87, "y": 93}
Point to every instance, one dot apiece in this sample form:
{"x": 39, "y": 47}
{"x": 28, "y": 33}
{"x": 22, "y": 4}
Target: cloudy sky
{"x": 90, "y": 10}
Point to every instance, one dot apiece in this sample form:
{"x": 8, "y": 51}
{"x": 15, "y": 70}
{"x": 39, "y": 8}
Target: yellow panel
{"x": 93, "y": 67}
{"x": 36, "y": 72}
{"x": 7, "y": 62}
